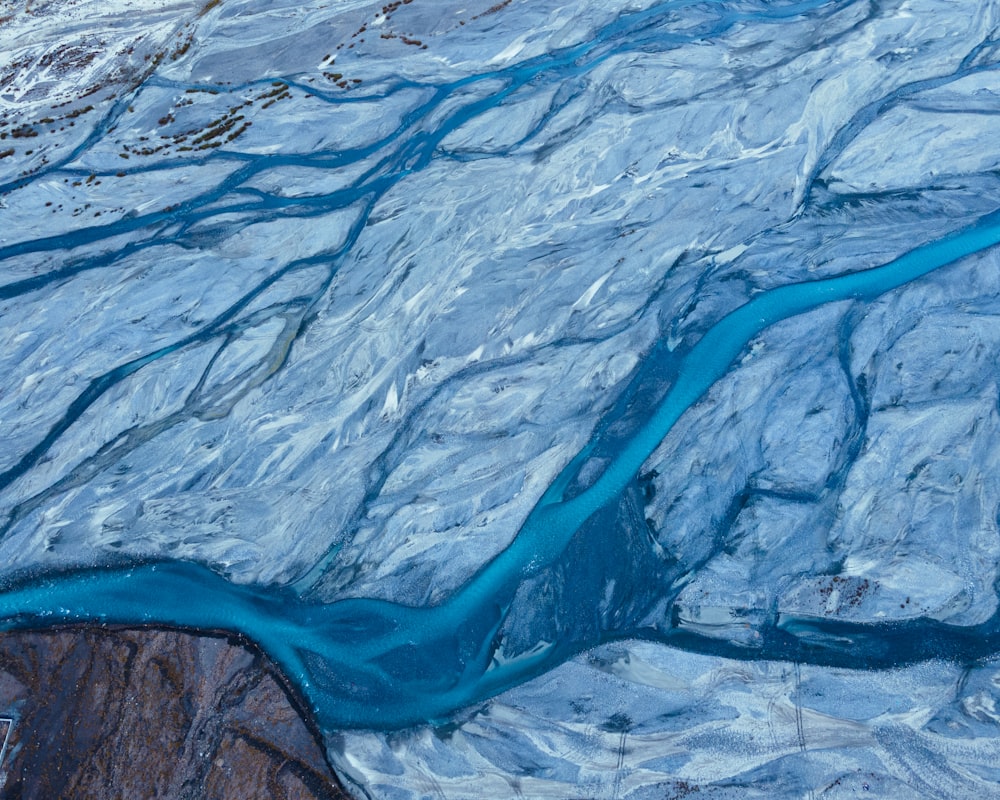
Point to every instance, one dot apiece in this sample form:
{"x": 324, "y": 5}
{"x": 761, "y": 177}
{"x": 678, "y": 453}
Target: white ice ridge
{"x": 316, "y": 310}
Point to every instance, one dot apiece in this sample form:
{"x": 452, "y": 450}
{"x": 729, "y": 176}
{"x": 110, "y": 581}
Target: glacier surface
{"x": 325, "y": 297}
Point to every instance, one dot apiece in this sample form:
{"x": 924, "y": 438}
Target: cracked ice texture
{"x": 369, "y": 330}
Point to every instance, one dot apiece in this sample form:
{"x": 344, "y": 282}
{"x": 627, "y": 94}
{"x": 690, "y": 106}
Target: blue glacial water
{"x": 372, "y": 664}
{"x": 560, "y": 394}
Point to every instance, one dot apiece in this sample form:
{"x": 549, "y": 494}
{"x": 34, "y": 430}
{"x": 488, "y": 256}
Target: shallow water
{"x": 372, "y": 664}
{"x": 558, "y": 343}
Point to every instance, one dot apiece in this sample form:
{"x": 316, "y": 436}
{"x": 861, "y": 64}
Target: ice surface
{"x": 330, "y": 308}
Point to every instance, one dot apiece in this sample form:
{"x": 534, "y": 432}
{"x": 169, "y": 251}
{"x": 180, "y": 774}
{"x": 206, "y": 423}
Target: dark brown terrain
{"x": 130, "y": 714}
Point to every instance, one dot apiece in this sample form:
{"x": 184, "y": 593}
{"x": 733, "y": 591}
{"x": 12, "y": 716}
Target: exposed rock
{"x": 125, "y": 713}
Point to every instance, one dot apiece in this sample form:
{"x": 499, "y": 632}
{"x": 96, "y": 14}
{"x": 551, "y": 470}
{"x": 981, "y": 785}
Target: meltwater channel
{"x": 368, "y": 663}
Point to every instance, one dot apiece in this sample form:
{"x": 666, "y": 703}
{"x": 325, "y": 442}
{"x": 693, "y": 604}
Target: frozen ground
{"x": 326, "y": 295}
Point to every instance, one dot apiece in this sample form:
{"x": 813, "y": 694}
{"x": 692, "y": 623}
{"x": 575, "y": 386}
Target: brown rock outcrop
{"x": 129, "y": 714}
